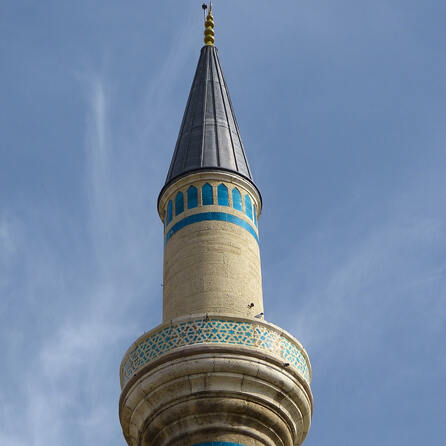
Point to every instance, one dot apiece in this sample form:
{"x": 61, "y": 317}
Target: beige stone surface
{"x": 212, "y": 267}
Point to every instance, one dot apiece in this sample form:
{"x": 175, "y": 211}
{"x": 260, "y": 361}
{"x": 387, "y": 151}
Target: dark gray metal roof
{"x": 209, "y": 136}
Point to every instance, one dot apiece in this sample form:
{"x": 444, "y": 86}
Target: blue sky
{"x": 342, "y": 108}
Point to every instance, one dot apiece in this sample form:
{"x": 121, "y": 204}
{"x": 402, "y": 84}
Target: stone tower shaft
{"x": 211, "y": 254}
{"x": 214, "y": 372}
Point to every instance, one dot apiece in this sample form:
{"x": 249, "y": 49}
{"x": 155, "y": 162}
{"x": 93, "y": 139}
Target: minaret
{"x": 214, "y": 372}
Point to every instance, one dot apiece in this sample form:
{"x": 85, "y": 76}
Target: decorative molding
{"x": 210, "y": 216}
{"x": 215, "y": 331}
{"x": 199, "y": 178}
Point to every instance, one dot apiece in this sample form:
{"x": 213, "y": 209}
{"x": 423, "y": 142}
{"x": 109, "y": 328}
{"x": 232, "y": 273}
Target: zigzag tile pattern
{"x": 213, "y": 331}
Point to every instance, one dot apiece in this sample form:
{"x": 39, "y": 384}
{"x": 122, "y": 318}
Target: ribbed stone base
{"x": 207, "y": 394}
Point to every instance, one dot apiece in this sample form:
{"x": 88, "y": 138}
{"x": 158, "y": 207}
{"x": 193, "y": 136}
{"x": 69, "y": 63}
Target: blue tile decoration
{"x": 248, "y": 206}
{"x": 223, "y": 198}
{"x": 207, "y": 199}
{"x": 210, "y": 216}
{"x": 207, "y": 195}
{"x": 179, "y": 203}
{"x": 214, "y": 330}
{"x": 237, "y": 199}
{"x": 192, "y": 197}
{"x": 218, "y": 443}
{"x": 169, "y": 212}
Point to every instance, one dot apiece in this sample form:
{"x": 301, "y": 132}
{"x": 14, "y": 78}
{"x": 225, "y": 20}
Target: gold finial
{"x": 209, "y": 28}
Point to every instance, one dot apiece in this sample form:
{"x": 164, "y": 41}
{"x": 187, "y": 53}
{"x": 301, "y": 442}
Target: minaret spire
{"x": 209, "y": 137}
{"x": 214, "y": 372}
{"x": 209, "y": 34}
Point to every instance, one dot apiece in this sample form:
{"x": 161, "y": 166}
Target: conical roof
{"x": 209, "y": 137}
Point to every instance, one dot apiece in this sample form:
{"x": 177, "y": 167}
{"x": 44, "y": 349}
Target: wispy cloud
{"x": 69, "y": 385}
{"x": 8, "y": 248}
{"x": 378, "y": 293}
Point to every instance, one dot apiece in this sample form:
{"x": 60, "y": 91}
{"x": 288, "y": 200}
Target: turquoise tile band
{"x": 169, "y": 337}
{"x": 218, "y": 443}
{"x": 210, "y": 216}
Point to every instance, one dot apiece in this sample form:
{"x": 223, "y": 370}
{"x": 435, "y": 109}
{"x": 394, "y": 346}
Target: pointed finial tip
{"x": 209, "y": 34}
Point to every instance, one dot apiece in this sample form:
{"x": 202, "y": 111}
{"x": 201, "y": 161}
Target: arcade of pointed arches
{"x": 210, "y": 195}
